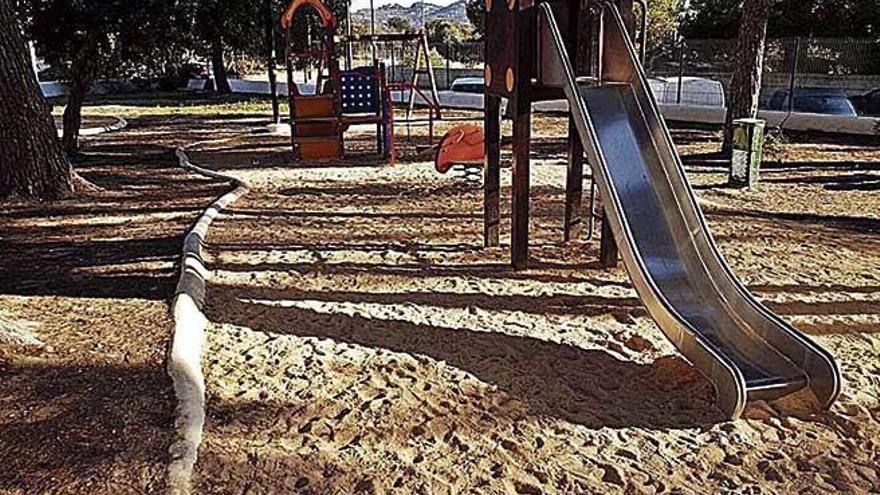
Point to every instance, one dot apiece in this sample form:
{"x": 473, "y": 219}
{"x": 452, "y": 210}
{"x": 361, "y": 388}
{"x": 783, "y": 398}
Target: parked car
{"x": 813, "y": 100}
{"x": 868, "y": 103}
{"x": 698, "y": 91}
{"x": 476, "y": 85}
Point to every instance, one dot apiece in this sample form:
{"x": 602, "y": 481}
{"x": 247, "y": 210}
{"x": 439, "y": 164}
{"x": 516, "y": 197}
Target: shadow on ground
{"x": 588, "y": 387}
{"x": 68, "y": 429}
{"x": 120, "y": 241}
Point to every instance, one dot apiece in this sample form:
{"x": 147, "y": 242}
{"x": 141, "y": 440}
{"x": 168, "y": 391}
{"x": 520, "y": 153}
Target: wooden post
{"x": 522, "y": 131}
{"x": 574, "y": 184}
{"x": 579, "y": 29}
{"x": 519, "y": 223}
{"x": 607, "y": 247}
{"x": 492, "y": 170}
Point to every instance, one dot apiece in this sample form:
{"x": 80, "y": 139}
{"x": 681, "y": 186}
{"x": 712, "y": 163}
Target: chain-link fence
{"x": 822, "y": 72}
{"x": 826, "y": 75}
{"x": 450, "y": 60}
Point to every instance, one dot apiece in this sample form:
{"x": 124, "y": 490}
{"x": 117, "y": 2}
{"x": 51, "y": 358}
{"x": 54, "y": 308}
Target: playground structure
{"x": 359, "y": 95}
{"x": 539, "y": 50}
{"x": 421, "y": 67}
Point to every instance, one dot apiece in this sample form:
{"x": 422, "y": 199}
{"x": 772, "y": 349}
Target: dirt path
{"x": 92, "y": 412}
{"x": 365, "y": 343}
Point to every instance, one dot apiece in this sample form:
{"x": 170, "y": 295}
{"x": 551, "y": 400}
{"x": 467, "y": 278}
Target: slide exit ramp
{"x": 744, "y": 349}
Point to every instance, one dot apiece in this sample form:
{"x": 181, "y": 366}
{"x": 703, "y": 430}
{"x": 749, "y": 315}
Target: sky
{"x": 365, "y": 4}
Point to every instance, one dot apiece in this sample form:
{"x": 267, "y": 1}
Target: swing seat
{"x": 463, "y": 144}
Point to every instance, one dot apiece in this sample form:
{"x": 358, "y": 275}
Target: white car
{"x": 698, "y": 91}
{"x": 475, "y": 85}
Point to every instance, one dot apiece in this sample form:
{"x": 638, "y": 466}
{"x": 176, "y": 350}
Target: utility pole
{"x": 373, "y": 28}
{"x": 348, "y": 54}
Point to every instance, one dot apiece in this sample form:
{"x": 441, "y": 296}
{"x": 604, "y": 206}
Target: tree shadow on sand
{"x": 120, "y": 241}
{"x": 84, "y": 429}
{"x": 589, "y": 387}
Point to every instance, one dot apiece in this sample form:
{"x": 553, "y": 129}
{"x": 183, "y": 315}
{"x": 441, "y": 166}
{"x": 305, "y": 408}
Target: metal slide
{"x": 745, "y": 350}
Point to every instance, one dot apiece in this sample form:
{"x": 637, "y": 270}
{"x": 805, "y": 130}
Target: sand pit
{"x": 363, "y": 341}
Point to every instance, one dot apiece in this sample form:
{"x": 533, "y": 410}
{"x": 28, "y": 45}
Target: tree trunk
{"x": 72, "y": 119}
{"x": 32, "y": 163}
{"x": 271, "y": 60}
{"x": 221, "y": 78}
{"x": 745, "y": 85}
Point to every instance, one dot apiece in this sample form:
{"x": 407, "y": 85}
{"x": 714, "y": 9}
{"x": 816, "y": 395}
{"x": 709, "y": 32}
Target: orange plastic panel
{"x": 462, "y": 144}
{"x": 324, "y": 149}
{"x": 328, "y": 20}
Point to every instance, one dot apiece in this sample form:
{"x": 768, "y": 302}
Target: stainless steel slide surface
{"x": 743, "y": 348}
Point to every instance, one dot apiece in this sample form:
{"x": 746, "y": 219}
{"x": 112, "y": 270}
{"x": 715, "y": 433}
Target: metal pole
{"x": 680, "y": 71}
{"x": 794, "y": 69}
{"x": 308, "y": 68}
{"x": 393, "y": 64}
{"x": 448, "y": 84}
{"x": 373, "y": 28}
{"x": 348, "y": 48}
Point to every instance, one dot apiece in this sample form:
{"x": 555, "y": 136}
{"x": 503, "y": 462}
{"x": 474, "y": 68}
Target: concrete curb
{"x": 94, "y": 131}
{"x": 184, "y": 359}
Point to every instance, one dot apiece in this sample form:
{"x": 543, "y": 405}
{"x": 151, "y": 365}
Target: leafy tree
{"x": 823, "y": 18}
{"x": 399, "y": 25}
{"x": 663, "y": 20}
{"x": 441, "y": 31}
{"x": 454, "y": 40}
{"x": 662, "y": 14}
{"x": 476, "y": 13}
{"x": 32, "y": 163}
{"x": 84, "y": 41}
{"x": 712, "y": 19}
{"x": 223, "y": 25}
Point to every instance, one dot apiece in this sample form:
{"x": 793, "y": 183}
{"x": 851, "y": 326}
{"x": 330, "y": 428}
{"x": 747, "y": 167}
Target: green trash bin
{"x": 748, "y": 142}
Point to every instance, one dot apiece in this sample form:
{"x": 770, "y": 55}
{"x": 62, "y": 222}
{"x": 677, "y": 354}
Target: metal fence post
{"x": 393, "y": 64}
{"x": 794, "y": 69}
{"x": 448, "y": 84}
{"x": 680, "y": 71}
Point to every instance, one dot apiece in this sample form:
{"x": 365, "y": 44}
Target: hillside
{"x": 454, "y": 12}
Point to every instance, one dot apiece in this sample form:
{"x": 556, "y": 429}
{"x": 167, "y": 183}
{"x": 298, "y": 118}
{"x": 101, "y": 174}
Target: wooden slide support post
{"x": 522, "y": 135}
{"x": 579, "y": 30}
{"x": 608, "y": 255}
{"x": 492, "y": 171}
{"x": 520, "y": 67}
{"x": 574, "y": 189}
{"x": 510, "y": 52}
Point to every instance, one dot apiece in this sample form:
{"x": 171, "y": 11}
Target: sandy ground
{"x": 363, "y": 342}
{"x": 93, "y": 411}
